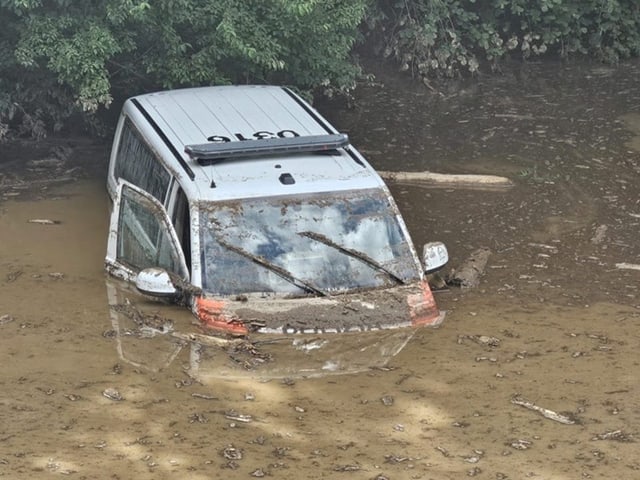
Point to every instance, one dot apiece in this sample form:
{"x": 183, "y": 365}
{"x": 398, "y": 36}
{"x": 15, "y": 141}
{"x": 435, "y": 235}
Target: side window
{"x": 137, "y": 164}
{"x": 144, "y": 238}
{"x": 182, "y": 223}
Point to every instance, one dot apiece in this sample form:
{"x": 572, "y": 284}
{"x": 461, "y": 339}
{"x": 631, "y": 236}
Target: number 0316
{"x": 260, "y": 135}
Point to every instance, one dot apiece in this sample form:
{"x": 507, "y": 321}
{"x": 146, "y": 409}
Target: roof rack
{"x": 266, "y": 146}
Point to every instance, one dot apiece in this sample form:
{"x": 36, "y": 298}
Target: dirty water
{"x": 567, "y": 134}
{"x": 550, "y": 334}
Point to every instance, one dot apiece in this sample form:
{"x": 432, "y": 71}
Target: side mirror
{"x": 434, "y": 256}
{"x": 156, "y": 282}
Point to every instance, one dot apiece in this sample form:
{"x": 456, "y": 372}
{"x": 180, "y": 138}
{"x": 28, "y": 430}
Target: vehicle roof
{"x": 177, "y": 118}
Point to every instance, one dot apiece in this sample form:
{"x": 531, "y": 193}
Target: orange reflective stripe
{"x": 423, "y": 309}
{"x": 213, "y": 314}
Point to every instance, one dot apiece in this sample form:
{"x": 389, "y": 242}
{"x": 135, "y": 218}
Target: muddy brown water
{"x": 554, "y": 322}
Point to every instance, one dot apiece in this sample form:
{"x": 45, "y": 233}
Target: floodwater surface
{"x": 533, "y": 374}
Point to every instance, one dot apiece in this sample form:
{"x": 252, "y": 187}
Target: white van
{"x": 249, "y": 207}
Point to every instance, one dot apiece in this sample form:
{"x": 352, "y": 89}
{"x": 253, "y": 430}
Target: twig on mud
{"x": 204, "y": 396}
{"x": 238, "y": 417}
{"x": 443, "y": 451}
{"x": 207, "y": 339}
{"x": 347, "y": 468}
{"x": 616, "y": 435}
{"x": 545, "y": 412}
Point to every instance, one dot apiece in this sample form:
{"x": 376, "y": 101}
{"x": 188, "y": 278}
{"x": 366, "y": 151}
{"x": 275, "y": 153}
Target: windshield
{"x": 320, "y": 244}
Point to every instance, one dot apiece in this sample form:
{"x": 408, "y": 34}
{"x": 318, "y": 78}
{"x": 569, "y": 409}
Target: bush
{"x": 85, "y": 53}
{"x": 60, "y": 58}
{"x": 446, "y": 38}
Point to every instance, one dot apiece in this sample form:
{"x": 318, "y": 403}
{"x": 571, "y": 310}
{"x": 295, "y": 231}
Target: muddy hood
{"x": 400, "y": 307}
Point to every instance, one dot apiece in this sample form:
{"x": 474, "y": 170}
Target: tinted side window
{"x": 137, "y": 164}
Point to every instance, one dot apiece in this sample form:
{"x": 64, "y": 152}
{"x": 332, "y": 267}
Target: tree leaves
{"x": 95, "y": 50}
{"x": 446, "y": 38}
{"x": 85, "y": 53}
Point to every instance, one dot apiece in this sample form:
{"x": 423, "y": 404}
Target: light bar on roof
{"x": 266, "y": 146}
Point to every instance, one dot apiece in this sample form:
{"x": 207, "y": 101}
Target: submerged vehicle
{"x": 246, "y": 205}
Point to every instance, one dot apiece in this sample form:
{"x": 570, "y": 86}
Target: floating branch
{"x": 448, "y": 180}
{"x": 545, "y": 412}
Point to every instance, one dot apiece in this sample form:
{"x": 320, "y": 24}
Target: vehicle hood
{"x": 382, "y": 309}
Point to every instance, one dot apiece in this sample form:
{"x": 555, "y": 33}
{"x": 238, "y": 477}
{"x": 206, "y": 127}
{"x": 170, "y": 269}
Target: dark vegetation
{"x": 62, "y": 60}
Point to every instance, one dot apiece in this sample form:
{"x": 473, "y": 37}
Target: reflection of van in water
{"x": 247, "y": 205}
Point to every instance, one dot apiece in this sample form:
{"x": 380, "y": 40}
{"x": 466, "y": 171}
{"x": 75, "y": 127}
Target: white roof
{"x": 177, "y": 118}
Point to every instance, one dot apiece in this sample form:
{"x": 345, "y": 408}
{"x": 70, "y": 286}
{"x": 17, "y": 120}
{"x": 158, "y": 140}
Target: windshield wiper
{"x": 281, "y": 272}
{"x": 363, "y": 257}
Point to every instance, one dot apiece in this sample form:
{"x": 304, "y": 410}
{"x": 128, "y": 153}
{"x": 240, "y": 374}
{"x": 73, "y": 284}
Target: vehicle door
{"x": 141, "y": 236}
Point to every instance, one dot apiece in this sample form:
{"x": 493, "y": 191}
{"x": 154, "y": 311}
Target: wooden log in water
{"x": 468, "y": 274}
{"x": 445, "y": 180}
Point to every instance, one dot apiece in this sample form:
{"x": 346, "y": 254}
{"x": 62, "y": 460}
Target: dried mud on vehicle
{"x": 550, "y": 333}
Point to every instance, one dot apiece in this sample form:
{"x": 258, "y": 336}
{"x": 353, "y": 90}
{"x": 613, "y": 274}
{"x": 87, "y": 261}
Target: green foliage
{"x": 452, "y": 37}
{"x": 87, "y": 52}
{"x": 60, "y": 58}
{"x": 75, "y": 51}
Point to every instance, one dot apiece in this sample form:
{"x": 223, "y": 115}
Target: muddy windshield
{"x": 299, "y": 245}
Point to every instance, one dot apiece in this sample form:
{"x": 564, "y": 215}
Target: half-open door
{"x": 141, "y": 236}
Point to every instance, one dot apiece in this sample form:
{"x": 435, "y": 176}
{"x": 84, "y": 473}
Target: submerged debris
{"x": 204, "y": 396}
{"x": 443, "y": 451}
{"x": 468, "y": 274}
{"x": 144, "y": 321}
{"x": 627, "y": 266}
{"x": 599, "y": 235}
{"x": 247, "y": 354}
{"x": 347, "y": 468}
{"x": 545, "y": 412}
{"x": 387, "y": 400}
{"x": 113, "y": 394}
{"x": 14, "y": 275}
{"x": 474, "y": 181}
{"x": 198, "y": 418}
{"x": 395, "y": 458}
{"x": 520, "y": 444}
{"x": 474, "y": 471}
{"x": 615, "y": 435}
{"x": 484, "y": 340}
{"x": 44, "y": 221}
{"x": 238, "y": 417}
{"x": 232, "y": 453}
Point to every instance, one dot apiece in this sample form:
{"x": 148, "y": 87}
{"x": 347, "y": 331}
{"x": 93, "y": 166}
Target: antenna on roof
{"x": 266, "y": 146}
